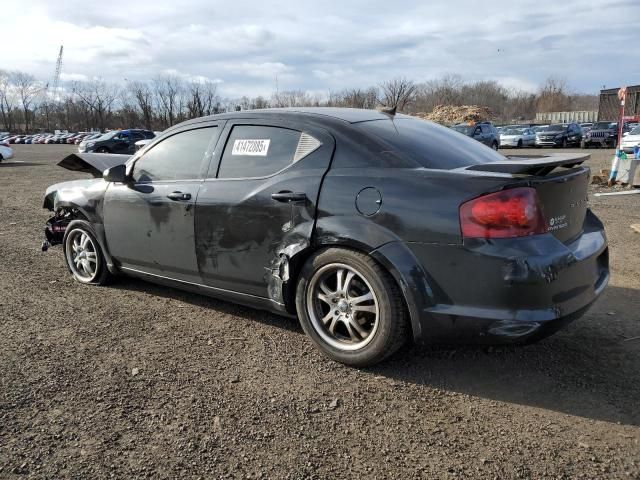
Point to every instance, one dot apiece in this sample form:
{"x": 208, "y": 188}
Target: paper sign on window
{"x": 256, "y": 148}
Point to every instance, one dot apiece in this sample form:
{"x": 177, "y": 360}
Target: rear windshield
{"x": 427, "y": 144}
{"x": 466, "y": 129}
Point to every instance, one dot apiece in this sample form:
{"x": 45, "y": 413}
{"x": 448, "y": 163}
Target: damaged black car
{"x": 372, "y": 228}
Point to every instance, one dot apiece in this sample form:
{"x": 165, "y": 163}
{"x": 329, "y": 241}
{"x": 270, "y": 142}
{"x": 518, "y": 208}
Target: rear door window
{"x": 254, "y": 151}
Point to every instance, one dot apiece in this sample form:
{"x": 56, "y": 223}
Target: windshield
{"x": 635, "y": 131}
{"x": 466, "y": 129}
{"x": 108, "y": 135}
{"x": 603, "y": 126}
{"x": 558, "y": 127}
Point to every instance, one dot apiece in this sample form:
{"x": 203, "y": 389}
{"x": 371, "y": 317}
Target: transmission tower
{"x": 56, "y": 76}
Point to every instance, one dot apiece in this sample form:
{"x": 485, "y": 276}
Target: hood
{"x": 72, "y": 188}
{"x": 93, "y": 163}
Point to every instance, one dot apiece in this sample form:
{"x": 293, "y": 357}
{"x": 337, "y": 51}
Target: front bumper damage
{"x": 56, "y": 227}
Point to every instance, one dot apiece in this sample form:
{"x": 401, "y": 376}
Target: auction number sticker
{"x": 257, "y": 148}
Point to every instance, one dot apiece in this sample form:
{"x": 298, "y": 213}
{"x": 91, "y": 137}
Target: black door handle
{"x": 288, "y": 197}
{"x": 179, "y": 196}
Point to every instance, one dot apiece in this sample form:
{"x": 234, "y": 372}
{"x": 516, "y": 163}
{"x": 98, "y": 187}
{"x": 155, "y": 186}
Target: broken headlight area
{"x": 56, "y": 226}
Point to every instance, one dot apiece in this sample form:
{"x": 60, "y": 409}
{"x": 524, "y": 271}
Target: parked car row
{"x": 115, "y": 141}
{"x": 561, "y": 135}
{"x": 49, "y": 138}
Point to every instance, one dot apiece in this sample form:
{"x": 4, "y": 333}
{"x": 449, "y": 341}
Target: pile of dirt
{"x": 451, "y": 114}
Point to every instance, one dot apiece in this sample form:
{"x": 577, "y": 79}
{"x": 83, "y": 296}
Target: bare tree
{"x": 144, "y": 101}
{"x": 553, "y": 96}
{"x": 27, "y": 89}
{"x": 7, "y": 99}
{"x": 98, "y": 96}
{"x": 294, "y": 98}
{"x": 354, "y": 98}
{"x": 167, "y": 88}
{"x": 443, "y": 91}
{"x": 398, "y": 93}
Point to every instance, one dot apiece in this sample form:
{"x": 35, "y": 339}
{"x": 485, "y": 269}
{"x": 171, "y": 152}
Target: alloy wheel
{"x": 342, "y": 307}
{"x": 82, "y": 255}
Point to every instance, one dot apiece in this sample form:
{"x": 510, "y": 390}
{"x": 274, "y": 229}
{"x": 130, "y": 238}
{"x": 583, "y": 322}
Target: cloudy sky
{"x": 326, "y": 45}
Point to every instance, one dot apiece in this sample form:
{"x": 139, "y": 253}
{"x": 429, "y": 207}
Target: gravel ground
{"x": 137, "y": 380}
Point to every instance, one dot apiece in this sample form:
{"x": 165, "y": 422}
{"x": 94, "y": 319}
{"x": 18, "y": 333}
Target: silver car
{"x": 517, "y": 137}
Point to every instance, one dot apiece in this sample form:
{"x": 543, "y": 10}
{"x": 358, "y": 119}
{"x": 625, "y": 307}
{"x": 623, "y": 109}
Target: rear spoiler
{"x": 532, "y": 164}
{"x": 93, "y": 163}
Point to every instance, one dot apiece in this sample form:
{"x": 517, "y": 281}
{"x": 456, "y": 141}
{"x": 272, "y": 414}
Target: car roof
{"x": 349, "y": 115}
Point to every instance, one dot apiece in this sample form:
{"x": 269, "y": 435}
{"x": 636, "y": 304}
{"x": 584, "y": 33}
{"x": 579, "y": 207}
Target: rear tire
{"x": 494, "y": 145}
{"x": 83, "y": 254}
{"x": 564, "y": 143}
{"x": 351, "y": 307}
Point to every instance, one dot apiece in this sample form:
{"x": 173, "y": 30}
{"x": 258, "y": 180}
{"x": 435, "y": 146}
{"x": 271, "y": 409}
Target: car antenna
{"x": 389, "y": 110}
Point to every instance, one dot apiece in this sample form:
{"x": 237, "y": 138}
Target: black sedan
{"x": 372, "y": 228}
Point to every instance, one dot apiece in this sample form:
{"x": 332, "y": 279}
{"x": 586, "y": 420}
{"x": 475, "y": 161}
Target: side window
{"x": 257, "y": 151}
{"x": 486, "y": 129}
{"x": 178, "y": 157}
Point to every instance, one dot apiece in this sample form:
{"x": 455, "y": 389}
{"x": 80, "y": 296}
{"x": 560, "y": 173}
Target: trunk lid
{"x": 564, "y": 198}
{"x": 561, "y": 184}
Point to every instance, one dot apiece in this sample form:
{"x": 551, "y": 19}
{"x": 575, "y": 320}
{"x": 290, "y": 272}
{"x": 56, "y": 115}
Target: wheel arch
{"x": 395, "y": 257}
{"x": 87, "y": 211}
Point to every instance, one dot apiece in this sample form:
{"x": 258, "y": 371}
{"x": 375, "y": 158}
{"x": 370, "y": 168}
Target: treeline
{"x": 27, "y": 105}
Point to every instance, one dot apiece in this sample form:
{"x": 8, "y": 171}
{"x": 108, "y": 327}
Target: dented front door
{"x": 250, "y": 219}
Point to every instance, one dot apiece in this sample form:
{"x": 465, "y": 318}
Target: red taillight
{"x": 510, "y": 213}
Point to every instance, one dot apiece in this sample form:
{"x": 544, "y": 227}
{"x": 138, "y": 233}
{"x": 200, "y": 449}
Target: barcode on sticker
{"x": 257, "y": 148}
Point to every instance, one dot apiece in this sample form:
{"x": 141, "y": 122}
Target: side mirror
{"x": 116, "y": 174}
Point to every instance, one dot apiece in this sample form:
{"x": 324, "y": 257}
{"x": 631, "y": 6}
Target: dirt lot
{"x": 136, "y": 380}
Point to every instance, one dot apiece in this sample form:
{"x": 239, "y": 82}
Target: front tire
{"x": 495, "y": 146}
{"x": 351, "y": 307}
{"x": 83, "y": 254}
{"x": 103, "y": 150}
{"x": 519, "y": 144}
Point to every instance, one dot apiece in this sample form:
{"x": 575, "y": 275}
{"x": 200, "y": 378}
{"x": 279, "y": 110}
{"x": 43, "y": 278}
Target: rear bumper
{"x": 510, "y": 143}
{"x": 511, "y": 290}
{"x": 629, "y": 148}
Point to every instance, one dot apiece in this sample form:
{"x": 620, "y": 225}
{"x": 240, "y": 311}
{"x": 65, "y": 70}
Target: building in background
{"x": 581, "y": 116}
{"x": 609, "y": 109}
